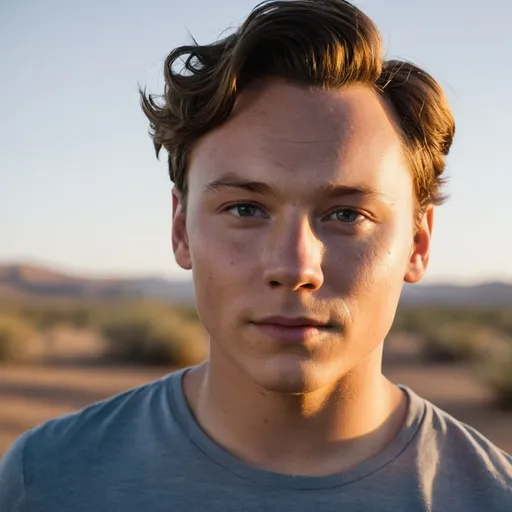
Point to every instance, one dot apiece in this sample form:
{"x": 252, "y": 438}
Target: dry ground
{"x": 70, "y": 378}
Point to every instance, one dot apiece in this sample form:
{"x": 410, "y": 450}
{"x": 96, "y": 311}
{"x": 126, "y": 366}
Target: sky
{"x": 80, "y": 186}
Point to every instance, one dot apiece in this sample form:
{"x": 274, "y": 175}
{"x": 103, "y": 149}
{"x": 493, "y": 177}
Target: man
{"x": 306, "y": 174}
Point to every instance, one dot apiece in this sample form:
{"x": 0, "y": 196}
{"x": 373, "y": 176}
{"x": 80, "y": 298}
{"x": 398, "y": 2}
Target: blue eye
{"x": 346, "y": 215}
{"x": 245, "y": 210}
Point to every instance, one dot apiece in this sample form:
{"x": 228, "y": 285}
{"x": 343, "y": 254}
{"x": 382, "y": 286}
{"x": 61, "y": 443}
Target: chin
{"x": 291, "y": 376}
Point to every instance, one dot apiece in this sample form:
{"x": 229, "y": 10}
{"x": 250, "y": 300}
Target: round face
{"x": 299, "y": 231}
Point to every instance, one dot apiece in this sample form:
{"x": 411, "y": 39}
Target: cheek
{"x": 379, "y": 266}
{"x": 364, "y": 260}
{"x": 226, "y": 253}
{"x": 223, "y": 269}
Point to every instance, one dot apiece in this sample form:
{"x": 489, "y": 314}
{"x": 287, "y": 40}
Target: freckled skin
{"x": 294, "y": 253}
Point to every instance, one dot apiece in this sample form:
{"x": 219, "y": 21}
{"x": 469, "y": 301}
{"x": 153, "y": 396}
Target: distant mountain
{"x": 31, "y": 281}
{"x": 487, "y": 294}
{"x": 159, "y": 288}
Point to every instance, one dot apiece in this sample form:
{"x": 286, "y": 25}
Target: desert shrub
{"x": 505, "y": 323}
{"x": 189, "y": 313}
{"x": 495, "y": 368}
{"x": 421, "y": 320}
{"x": 47, "y": 314}
{"x": 451, "y": 342}
{"x": 46, "y": 317}
{"x": 16, "y": 337}
{"x": 151, "y": 335}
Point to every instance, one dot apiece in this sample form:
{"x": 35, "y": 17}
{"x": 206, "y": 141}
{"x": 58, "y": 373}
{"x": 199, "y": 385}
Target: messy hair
{"x": 327, "y": 44}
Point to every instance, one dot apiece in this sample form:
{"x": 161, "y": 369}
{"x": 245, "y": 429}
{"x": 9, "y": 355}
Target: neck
{"x": 318, "y": 433}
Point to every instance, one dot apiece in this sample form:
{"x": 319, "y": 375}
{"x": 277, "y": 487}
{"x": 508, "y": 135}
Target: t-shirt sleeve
{"x": 12, "y": 478}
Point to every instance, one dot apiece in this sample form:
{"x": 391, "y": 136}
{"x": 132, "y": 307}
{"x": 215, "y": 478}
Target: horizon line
{"x": 77, "y": 272}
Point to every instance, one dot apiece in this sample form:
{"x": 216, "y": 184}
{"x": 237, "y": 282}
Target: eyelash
{"x": 252, "y": 205}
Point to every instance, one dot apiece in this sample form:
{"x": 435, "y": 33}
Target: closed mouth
{"x": 298, "y": 322}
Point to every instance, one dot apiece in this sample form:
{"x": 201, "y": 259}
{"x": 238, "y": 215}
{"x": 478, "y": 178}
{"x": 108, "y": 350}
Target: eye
{"x": 246, "y": 210}
{"x": 346, "y": 216}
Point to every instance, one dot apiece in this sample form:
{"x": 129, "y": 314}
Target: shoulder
{"x": 12, "y": 477}
{"x": 100, "y": 420}
{"x": 74, "y": 445}
{"x": 464, "y": 458}
{"x": 97, "y": 420}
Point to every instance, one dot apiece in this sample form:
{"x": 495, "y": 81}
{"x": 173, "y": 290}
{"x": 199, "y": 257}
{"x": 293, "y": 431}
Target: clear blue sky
{"x": 80, "y": 187}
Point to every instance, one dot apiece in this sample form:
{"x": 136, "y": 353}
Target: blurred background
{"x": 91, "y": 301}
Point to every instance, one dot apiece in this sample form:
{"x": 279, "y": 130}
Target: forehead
{"x": 278, "y": 130}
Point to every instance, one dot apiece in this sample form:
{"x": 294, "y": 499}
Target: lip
{"x": 292, "y": 330}
{"x": 301, "y": 321}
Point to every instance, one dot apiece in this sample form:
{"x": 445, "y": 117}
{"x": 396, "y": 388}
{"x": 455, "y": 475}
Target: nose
{"x": 293, "y": 257}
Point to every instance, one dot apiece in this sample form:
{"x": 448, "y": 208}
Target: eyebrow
{"x": 232, "y": 180}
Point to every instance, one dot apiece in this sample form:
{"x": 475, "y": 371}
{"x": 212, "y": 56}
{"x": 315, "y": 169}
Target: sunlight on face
{"x": 299, "y": 206}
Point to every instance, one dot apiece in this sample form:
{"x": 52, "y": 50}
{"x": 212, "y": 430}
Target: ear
{"x": 180, "y": 243}
{"x": 420, "y": 252}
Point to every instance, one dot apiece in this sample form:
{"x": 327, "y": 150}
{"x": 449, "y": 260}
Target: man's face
{"x": 300, "y": 211}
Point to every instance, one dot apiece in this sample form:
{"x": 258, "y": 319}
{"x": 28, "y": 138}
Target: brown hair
{"x": 322, "y": 43}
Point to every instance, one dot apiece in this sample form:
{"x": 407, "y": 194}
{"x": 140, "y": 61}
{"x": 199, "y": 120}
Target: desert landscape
{"x": 74, "y": 359}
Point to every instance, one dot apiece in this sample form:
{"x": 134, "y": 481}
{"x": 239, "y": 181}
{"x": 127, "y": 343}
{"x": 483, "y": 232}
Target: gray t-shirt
{"x": 143, "y": 451}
